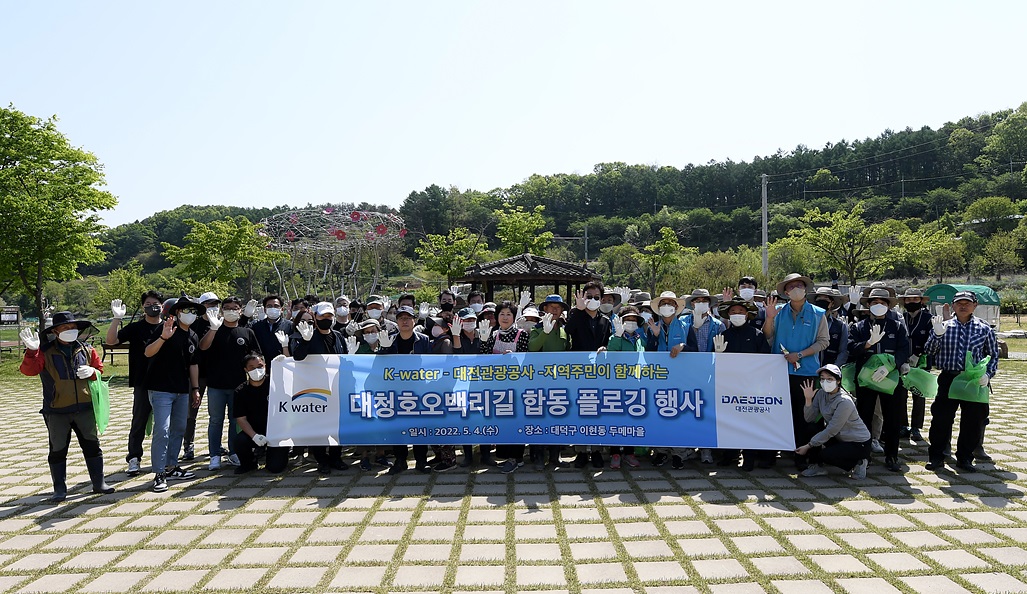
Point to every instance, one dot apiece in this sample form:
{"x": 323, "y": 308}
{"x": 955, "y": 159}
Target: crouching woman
{"x": 845, "y": 441}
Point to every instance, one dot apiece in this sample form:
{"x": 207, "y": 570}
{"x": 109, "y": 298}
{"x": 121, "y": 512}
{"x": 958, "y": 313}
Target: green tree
{"x": 222, "y": 251}
{"x": 451, "y": 254}
{"x": 991, "y": 215}
{"x": 49, "y": 196}
{"x": 520, "y": 231}
{"x": 712, "y": 271}
{"x": 126, "y": 284}
{"x": 1000, "y": 252}
{"x": 1008, "y": 141}
{"x": 945, "y": 257}
{"x": 822, "y": 180}
{"x": 656, "y": 259}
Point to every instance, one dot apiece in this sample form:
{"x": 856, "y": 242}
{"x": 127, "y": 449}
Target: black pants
{"x": 275, "y": 461}
{"x": 803, "y": 431}
{"x": 893, "y": 407}
{"x": 486, "y": 451}
{"x": 59, "y": 427}
{"x": 943, "y": 415}
{"x": 919, "y": 408}
{"x": 420, "y": 454}
{"x": 511, "y": 452}
{"x": 842, "y": 454}
{"x": 324, "y": 454}
{"x": 141, "y": 410}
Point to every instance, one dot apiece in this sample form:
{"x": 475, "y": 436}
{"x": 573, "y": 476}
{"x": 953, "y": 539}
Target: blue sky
{"x": 261, "y": 104}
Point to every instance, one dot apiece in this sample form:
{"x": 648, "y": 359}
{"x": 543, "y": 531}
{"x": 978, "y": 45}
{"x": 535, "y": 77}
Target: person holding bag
{"x": 65, "y": 367}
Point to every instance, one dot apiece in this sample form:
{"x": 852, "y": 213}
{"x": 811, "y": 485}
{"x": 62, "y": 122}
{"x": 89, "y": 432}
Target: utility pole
{"x": 586, "y": 244}
{"x": 903, "y": 187}
{"x": 766, "y": 262}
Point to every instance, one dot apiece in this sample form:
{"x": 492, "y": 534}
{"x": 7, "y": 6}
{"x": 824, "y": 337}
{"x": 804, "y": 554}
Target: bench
{"x": 118, "y": 349}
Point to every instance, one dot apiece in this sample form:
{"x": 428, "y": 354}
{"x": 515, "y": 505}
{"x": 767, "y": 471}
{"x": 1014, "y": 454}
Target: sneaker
{"x": 244, "y": 469}
{"x": 904, "y": 433}
{"x": 223, "y": 451}
{"x": 660, "y": 459}
{"x": 233, "y": 460}
{"x": 365, "y": 464}
{"x": 133, "y": 466}
{"x": 398, "y": 467}
{"x": 510, "y": 466}
{"x": 444, "y": 466}
{"x": 179, "y": 474}
{"x": 160, "y": 483}
{"x": 980, "y": 455}
{"x": 615, "y": 461}
{"x": 859, "y": 471}
{"x": 818, "y": 470}
{"x": 597, "y": 460}
{"x": 935, "y": 464}
{"x": 966, "y": 466}
{"x": 338, "y": 464}
{"x": 892, "y": 464}
{"x": 677, "y": 462}
{"x": 383, "y": 461}
{"x": 190, "y": 453}
{"x": 632, "y": 461}
{"x": 706, "y": 455}
{"x": 875, "y": 447}
{"x": 914, "y": 435}
{"x": 215, "y": 463}
{"x": 422, "y": 467}
{"x": 691, "y": 454}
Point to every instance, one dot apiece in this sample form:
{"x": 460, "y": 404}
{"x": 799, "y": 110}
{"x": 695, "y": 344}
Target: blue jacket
{"x": 716, "y": 327}
{"x": 679, "y": 331}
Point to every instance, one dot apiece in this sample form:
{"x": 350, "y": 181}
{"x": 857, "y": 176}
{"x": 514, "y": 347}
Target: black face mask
{"x": 913, "y": 307}
{"x": 152, "y": 310}
{"x": 325, "y": 324}
{"x": 825, "y": 305}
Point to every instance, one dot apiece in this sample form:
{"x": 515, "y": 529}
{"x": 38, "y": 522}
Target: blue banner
{"x": 610, "y": 398}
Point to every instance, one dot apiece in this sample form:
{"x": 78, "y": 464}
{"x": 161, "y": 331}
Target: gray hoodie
{"x": 839, "y": 412}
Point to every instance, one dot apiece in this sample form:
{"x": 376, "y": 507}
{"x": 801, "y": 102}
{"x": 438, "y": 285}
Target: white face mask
{"x": 257, "y": 373}
{"x": 232, "y": 315}
{"x": 797, "y": 294}
{"x": 468, "y": 326}
{"x": 737, "y": 319}
{"x": 747, "y": 293}
{"x": 525, "y": 324}
{"x": 342, "y": 311}
{"x": 829, "y": 385}
{"x": 187, "y": 318}
{"x": 437, "y": 331}
{"x": 477, "y": 307}
{"x": 648, "y": 317}
{"x": 374, "y": 314}
{"x": 371, "y": 338}
{"x": 606, "y": 308}
{"x": 701, "y": 308}
{"x": 592, "y": 304}
{"x": 668, "y": 310}
{"x": 273, "y": 313}
{"x": 630, "y": 327}
{"x": 68, "y": 335}
{"x": 878, "y": 309}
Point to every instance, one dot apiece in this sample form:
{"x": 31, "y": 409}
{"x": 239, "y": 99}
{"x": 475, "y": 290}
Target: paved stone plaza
{"x": 702, "y": 529}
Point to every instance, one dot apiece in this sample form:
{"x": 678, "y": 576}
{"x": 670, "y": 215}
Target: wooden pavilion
{"x": 527, "y": 271}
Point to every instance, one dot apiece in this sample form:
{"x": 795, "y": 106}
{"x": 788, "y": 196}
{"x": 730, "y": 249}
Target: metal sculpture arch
{"x": 331, "y": 250}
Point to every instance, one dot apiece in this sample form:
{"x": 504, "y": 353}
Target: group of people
{"x": 184, "y": 350}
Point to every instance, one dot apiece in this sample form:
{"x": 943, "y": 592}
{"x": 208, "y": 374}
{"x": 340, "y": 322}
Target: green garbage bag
{"x": 149, "y": 425}
{"x": 849, "y": 378}
{"x": 889, "y": 383}
{"x": 967, "y": 385}
{"x": 921, "y": 383}
{"x": 100, "y": 391}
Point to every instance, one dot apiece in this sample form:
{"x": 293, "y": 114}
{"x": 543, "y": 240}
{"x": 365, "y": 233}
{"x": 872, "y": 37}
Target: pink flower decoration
{"x": 329, "y": 210}
{"x": 290, "y": 236}
{"x": 331, "y": 230}
{"x": 293, "y": 219}
{"x": 381, "y": 229}
{"x": 355, "y": 216}
{"x": 369, "y": 236}
{"x": 340, "y": 234}
{"x": 403, "y": 232}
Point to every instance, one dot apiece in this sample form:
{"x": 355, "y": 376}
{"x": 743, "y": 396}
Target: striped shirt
{"x": 950, "y": 349}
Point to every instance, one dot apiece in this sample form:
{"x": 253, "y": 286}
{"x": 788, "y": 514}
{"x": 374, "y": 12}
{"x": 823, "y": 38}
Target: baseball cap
{"x": 965, "y": 296}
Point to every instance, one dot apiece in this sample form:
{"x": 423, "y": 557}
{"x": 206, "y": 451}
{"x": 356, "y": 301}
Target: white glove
{"x": 876, "y": 334}
{"x": 484, "y": 330}
{"x": 259, "y": 440}
{"x": 525, "y": 300}
{"x": 29, "y": 339}
{"x": 719, "y": 343}
{"x": 385, "y": 339}
{"x": 283, "y": 338}
{"x": 214, "y": 319}
{"x": 250, "y": 308}
{"x": 939, "y": 325}
{"x": 548, "y": 323}
{"x": 904, "y": 368}
{"x": 86, "y": 372}
{"x": 855, "y": 292}
{"x": 880, "y": 374}
{"x": 422, "y": 311}
{"x": 305, "y": 330}
{"x": 985, "y": 379}
{"x": 351, "y": 345}
{"x": 625, "y": 294}
{"x": 386, "y": 303}
{"x": 259, "y": 313}
{"x": 118, "y": 309}
{"x": 618, "y": 327}
{"x": 352, "y": 328}
{"x": 914, "y": 360}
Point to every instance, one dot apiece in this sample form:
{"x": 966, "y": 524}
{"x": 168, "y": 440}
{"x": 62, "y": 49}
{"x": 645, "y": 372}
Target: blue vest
{"x": 674, "y": 334}
{"x": 797, "y": 333}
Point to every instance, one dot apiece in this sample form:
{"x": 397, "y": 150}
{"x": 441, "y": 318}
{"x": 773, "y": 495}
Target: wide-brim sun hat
{"x": 750, "y": 308}
{"x": 794, "y": 277}
{"x": 879, "y": 293}
{"x": 679, "y": 302}
{"x": 701, "y": 293}
{"x": 837, "y": 299}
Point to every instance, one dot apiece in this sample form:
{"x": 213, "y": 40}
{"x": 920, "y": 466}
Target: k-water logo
{"x": 311, "y": 400}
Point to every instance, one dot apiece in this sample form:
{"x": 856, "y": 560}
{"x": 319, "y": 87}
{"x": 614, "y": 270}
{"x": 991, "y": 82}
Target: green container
{"x": 849, "y": 378}
{"x": 866, "y": 375}
{"x": 921, "y": 382}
